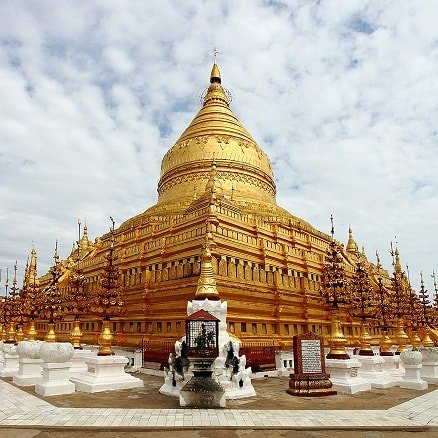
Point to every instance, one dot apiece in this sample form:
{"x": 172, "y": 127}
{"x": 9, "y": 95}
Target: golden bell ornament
{"x": 337, "y": 339}
{"x": 105, "y": 340}
{"x": 76, "y": 335}
{"x": 50, "y": 335}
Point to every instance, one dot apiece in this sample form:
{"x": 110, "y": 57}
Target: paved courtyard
{"x": 57, "y": 415}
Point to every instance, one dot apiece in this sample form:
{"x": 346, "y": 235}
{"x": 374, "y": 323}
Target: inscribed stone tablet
{"x": 311, "y": 355}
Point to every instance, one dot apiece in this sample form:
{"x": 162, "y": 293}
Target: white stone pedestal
{"x": 10, "y": 360}
{"x": 429, "y": 370}
{"x": 412, "y": 363}
{"x": 344, "y": 375}
{"x": 55, "y": 379}
{"x": 78, "y": 360}
{"x": 105, "y": 373}
{"x": 29, "y": 372}
{"x": 392, "y": 366}
{"x": 29, "y": 363}
{"x": 284, "y": 362}
{"x": 372, "y": 370}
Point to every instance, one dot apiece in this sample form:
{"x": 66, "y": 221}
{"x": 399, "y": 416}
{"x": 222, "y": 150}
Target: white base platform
{"x": 10, "y": 365}
{"x": 372, "y": 370}
{"x": 78, "y": 364}
{"x": 55, "y": 379}
{"x": 105, "y": 373}
{"x": 393, "y": 366}
{"x": 429, "y": 372}
{"x": 344, "y": 376}
{"x": 29, "y": 372}
{"x": 408, "y": 384}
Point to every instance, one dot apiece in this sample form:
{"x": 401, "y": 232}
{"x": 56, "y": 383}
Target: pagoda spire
{"x": 30, "y": 273}
{"x": 84, "y": 243}
{"x": 216, "y": 93}
{"x": 396, "y": 261}
{"x": 206, "y": 283}
{"x": 351, "y": 245}
{"x": 215, "y": 75}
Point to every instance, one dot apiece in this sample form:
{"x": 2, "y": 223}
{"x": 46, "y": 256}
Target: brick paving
{"x": 21, "y": 409}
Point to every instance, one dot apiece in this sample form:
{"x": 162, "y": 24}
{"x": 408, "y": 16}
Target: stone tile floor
{"x": 21, "y": 409}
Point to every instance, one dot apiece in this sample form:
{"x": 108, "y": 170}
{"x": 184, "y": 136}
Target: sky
{"x": 341, "y": 95}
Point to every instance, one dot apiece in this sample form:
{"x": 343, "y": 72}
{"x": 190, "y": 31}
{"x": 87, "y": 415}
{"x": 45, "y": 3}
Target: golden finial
{"x": 206, "y": 283}
{"x": 332, "y": 231}
{"x": 434, "y": 281}
{"x": 215, "y": 75}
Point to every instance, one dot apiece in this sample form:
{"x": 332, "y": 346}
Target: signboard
{"x": 308, "y": 352}
{"x": 309, "y": 378}
{"x": 311, "y": 356}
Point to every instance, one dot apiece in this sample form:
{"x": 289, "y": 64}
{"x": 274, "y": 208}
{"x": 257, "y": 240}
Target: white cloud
{"x": 341, "y": 95}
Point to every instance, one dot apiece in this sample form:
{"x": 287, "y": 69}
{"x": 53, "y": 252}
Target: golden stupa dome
{"x": 215, "y": 135}
{"x": 216, "y": 159}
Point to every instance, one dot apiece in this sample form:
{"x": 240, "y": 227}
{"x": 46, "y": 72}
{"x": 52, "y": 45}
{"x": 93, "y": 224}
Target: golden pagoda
{"x": 266, "y": 262}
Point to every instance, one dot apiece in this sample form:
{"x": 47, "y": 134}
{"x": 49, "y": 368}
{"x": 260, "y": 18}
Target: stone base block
{"x": 429, "y": 372}
{"x": 55, "y": 379}
{"x": 202, "y": 393}
{"x": 344, "y": 376}
{"x": 27, "y": 380}
{"x": 310, "y": 385}
{"x": 105, "y": 373}
{"x": 10, "y": 365}
{"x": 78, "y": 361}
{"x": 29, "y": 372}
{"x": 372, "y": 370}
{"x": 393, "y": 366}
{"x": 430, "y": 379}
{"x": 52, "y": 388}
{"x": 418, "y": 385}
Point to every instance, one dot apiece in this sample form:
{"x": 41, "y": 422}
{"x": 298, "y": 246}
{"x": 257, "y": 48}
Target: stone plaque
{"x": 311, "y": 355}
{"x": 308, "y": 354}
{"x": 309, "y": 378}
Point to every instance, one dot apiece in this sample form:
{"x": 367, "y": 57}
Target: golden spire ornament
{"x": 78, "y": 301}
{"x": 206, "y": 284}
{"x": 384, "y": 312}
{"x": 107, "y": 301}
{"x": 52, "y": 307}
{"x": 426, "y": 317}
{"x": 333, "y": 292}
{"x": 400, "y": 301}
{"x": 363, "y": 304}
